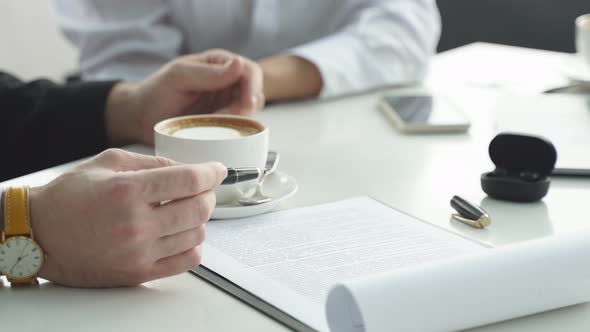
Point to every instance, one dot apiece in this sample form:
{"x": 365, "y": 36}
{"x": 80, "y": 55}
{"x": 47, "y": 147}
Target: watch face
{"x": 20, "y": 257}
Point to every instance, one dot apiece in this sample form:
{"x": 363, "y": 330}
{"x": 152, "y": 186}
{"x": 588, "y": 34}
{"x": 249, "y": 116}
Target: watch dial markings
{"x": 20, "y": 258}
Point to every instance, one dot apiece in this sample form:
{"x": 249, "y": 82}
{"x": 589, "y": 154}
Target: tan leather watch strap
{"x": 17, "y": 221}
{"x": 16, "y": 212}
{"x": 1, "y": 210}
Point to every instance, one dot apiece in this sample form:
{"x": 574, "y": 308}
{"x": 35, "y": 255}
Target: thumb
{"x": 206, "y": 76}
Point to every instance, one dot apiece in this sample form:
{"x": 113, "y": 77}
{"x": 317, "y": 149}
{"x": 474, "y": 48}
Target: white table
{"x": 339, "y": 149}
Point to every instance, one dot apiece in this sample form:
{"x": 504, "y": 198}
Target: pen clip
{"x": 481, "y": 222}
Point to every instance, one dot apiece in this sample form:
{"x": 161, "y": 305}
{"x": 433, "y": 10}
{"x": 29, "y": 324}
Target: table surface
{"x": 338, "y": 149}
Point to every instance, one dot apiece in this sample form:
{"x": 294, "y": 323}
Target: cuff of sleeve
{"x": 337, "y": 69}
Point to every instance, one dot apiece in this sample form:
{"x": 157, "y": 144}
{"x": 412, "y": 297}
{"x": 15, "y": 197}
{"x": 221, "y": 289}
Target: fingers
{"x": 185, "y": 214}
{"x": 261, "y": 100}
{"x": 224, "y": 98}
{"x": 194, "y": 74}
{"x": 180, "y": 181}
{"x": 173, "y": 245}
{"x": 238, "y": 107}
{"x": 177, "y": 264}
{"x": 218, "y": 56}
{"x": 220, "y": 71}
{"x": 121, "y": 160}
{"x": 248, "y": 94}
{"x": 214, "y": 101}
{"x": 251, "y": 86}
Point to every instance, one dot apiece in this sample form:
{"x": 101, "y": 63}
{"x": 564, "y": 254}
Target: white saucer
{"x": 277, "y": 185}
{"x": 576, "y": 70}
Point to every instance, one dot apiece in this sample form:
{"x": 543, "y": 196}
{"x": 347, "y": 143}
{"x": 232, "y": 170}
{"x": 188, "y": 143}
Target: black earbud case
{"x": 523, "y": 166}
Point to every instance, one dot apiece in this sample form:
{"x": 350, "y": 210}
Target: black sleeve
{"x": 43, "y": 124}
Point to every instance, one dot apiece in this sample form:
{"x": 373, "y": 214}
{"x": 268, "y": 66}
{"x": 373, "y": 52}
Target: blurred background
{"x": 544, "y": 24}
{"x": 32, "y": 46}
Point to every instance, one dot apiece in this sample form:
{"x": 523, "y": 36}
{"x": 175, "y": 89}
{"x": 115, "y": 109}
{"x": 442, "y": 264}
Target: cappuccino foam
{"x": 214, "y": 127}
{"x": 205, "y": 133}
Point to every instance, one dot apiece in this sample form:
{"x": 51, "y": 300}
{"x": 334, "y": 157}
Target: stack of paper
{"x": 468, "y": 291}
{"x": 358, "y": 265}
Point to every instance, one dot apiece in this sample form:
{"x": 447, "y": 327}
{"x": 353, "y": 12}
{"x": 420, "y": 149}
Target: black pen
{"x": 236, "y": 175}
{"x": 469, "y": 213}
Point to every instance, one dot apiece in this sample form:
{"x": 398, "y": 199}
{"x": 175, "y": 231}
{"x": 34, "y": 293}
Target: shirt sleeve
{"x": 117, "y": 39}
{"x": 382, "y": 42}
{"x": 43, "y": 124}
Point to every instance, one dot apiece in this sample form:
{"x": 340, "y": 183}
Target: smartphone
{"x": 415, "y": 114}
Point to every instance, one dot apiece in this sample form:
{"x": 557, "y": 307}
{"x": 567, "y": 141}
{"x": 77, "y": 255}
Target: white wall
{"x": 30, "y": 44}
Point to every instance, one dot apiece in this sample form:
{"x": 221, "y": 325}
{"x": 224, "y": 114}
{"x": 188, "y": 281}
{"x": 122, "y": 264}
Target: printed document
{"x": 292, "y": 258}
{"x": 358, "y": 265}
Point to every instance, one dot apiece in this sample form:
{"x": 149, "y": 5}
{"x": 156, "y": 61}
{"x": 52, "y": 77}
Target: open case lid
{"x": 516, "y": 153}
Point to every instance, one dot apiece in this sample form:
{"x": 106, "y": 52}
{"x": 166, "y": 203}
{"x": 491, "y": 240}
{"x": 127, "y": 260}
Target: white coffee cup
{"x": 235, "y": 141}
{"x": 583, "y": 38}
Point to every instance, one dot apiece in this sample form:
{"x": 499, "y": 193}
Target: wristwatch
{"x": 21, "y": 257}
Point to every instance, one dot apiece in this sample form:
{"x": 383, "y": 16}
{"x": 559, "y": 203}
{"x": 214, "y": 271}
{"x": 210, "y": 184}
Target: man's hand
{"x": 213, "y": 81}
{"x": 102, "y": 225}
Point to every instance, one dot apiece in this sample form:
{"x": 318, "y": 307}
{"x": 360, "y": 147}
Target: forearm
{"x": 384, "y": 43}
{"x": 121, "y": 106}
{"x": 290, "y": 77}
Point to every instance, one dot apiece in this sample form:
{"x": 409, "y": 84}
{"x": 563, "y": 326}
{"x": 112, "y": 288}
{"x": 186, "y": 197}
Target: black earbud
{"x": 524, "y": 175}
{"x": 499, "y": 172}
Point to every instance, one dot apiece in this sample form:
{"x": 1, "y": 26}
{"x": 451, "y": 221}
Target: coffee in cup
{"x": 583, "y": 38}
{"x": 235, "y": 141}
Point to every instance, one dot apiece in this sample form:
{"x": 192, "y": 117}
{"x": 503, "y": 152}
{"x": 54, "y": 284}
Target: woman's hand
{"x": 213, "y": 81}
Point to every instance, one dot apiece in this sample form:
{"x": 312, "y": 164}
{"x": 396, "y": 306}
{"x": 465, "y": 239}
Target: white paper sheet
{"x": 292, "y": 258}
{"x": 468, "y": 291}
{"x": 498, "y": 66}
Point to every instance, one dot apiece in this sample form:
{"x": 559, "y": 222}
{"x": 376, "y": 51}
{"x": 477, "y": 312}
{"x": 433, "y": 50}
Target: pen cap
{"x": 523, "y": 165}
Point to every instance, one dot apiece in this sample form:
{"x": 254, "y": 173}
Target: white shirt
{"x": 356, "y": 44}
